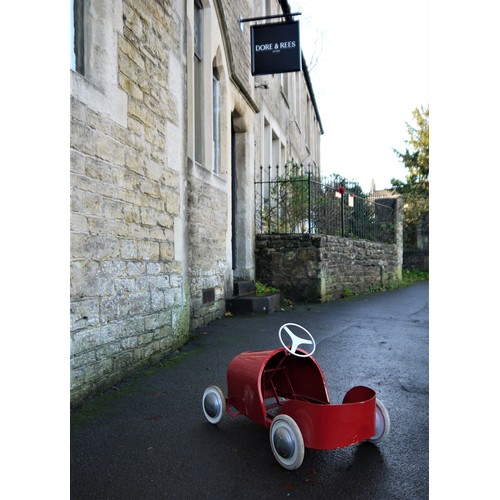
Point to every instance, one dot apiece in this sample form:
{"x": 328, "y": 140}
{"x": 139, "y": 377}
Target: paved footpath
{"x": 148, "y": 438}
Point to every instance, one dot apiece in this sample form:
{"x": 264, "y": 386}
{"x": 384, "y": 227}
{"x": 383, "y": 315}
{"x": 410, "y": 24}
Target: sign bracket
{"x": 262, "y": 18}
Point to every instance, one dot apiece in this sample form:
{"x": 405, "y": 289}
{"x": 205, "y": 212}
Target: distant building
{"x": 168, "y": 130}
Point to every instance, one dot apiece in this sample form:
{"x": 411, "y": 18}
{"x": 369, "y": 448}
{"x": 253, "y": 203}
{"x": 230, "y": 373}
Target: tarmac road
{"x": 148, "y": 438}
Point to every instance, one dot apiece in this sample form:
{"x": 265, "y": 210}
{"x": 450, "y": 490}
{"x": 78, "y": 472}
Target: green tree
{"x": 415, "y": 189}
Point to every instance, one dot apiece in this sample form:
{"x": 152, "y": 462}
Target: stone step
{"x": 241, "y": 288}
{"x": 252, "y": 304}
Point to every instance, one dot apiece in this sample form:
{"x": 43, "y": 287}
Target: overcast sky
{"x": 368, "y": 62}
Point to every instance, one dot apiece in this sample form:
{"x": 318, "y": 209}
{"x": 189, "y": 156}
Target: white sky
{"x": 372, "y": 72}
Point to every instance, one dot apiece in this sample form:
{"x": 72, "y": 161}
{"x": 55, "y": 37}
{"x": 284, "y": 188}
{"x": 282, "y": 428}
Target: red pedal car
{"x": 284, "y": 390}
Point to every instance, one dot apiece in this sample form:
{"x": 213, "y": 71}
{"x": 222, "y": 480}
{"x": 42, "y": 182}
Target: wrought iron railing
{"x": 291, "y": 200}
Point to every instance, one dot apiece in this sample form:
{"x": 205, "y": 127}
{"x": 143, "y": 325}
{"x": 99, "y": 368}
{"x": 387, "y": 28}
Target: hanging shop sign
{"x": 276, "y": 48}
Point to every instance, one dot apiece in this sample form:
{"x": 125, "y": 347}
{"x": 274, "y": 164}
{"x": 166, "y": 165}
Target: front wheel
{"x": 382, "y": 423}
{"x": 213, "y": 404}
{"x": 287, "y": 442}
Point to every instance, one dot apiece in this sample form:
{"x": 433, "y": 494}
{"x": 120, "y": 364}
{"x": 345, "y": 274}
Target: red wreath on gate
{"x": 341, "y": 189}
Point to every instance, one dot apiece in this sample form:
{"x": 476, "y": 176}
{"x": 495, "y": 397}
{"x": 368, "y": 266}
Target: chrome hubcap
{"x": 212, "y": 405}
{"x": 283, "y": 442}
{"x": 379, "y": 424}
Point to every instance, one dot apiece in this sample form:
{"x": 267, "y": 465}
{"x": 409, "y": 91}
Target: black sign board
{"x": 276, "y": 48}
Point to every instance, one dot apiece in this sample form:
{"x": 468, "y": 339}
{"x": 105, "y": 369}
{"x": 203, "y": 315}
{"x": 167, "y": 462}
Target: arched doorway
{"x": 242, "y": 230}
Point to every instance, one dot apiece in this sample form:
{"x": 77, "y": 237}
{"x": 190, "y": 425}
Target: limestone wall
{"x": 128, "y": 271}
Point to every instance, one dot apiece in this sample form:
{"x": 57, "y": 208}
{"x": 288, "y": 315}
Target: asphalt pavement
{"x": 147, "y": 437}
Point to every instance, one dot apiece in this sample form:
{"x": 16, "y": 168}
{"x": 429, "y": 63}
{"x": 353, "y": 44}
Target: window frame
{"x": 99, "y": 88}
{"x": 198, "y": 49}
{"x": 77, "y": 33}
{"x": 216, "y": 131}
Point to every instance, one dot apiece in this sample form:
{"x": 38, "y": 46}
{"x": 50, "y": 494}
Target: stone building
{"x": 168, "y": 129}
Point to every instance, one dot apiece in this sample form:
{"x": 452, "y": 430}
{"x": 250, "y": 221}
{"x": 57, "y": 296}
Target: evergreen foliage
{"x": 415, "y": 189}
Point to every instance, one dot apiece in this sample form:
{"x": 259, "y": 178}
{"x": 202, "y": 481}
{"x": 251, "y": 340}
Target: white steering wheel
{"x": 296, "y": 340}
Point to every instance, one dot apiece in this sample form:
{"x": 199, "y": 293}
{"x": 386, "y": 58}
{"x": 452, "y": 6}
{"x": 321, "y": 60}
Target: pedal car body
{"x": 284, "y": 390}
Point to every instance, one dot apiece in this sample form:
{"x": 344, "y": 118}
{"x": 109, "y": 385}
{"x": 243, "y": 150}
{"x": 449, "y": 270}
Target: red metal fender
{"x": 327, "y": 427}
{"x": 249, "y": 385}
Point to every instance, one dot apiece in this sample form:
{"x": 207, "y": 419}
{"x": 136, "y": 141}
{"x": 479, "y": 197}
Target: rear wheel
{"x": 287, "y": 442}
{"x": 382, "y": 423}
{"x": 214, "y": 404}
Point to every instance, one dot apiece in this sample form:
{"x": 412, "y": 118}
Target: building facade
{"x": 168, "y": 130}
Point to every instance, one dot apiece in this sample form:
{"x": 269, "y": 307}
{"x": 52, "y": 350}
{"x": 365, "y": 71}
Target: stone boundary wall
{"x": 319, "y": 268}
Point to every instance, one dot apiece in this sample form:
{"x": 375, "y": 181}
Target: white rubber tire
{"x": 287, "y": 442}
{"x": 382, "y": 423}
{"x": 213, "y": 404}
